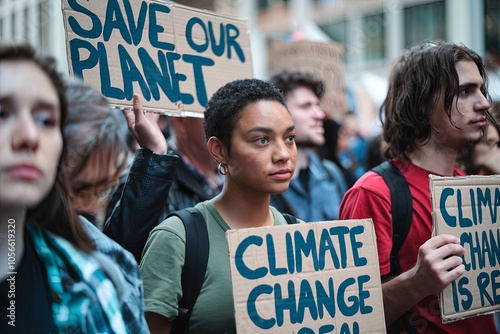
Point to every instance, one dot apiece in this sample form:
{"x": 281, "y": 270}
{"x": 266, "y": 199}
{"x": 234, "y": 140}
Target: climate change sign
{"x": 468, "y": 207}
{"x": 175, "y": 56}
{"x": 307, "y": 278}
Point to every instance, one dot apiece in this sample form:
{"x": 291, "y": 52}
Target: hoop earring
{"x": 222, "y": 169}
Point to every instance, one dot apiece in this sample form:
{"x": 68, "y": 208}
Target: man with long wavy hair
{"x": 437, "y": 102}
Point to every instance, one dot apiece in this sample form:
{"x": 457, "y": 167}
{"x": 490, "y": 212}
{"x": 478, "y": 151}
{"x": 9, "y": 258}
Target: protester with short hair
{"x": 250, "y": 135}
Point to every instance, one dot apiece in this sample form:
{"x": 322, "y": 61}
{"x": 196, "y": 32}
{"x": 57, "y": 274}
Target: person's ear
{"x": 218, "y": 150}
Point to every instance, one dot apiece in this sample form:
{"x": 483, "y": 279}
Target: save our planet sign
{"x": 174, "y": 56}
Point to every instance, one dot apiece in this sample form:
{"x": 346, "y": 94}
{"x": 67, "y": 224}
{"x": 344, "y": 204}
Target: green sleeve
{"x": 161, "y": 268}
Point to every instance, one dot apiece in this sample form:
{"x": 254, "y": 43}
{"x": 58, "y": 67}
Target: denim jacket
{"x": 86, "y": 299}
{"x": 320, "y": 201}
{"x": 156, "y": 185}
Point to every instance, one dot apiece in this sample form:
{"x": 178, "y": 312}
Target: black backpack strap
{"x": 195, "y": 264}
{"x": 401, "y": 209}
{"x": 282, "y": 204}
{"x": 402, "y": 214}
{"x": 290, "y": 219}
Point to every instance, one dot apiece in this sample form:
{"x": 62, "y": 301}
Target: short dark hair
{"x": 225, "y": 106}
{"x": 55, "y": 212}
{"x": 287, "y": 81}
{"x": 417, "y": 80}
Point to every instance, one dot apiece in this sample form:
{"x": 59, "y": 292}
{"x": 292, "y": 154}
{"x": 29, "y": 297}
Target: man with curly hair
{"x": 437, "y": 102}
{"x": 318, "y": 186}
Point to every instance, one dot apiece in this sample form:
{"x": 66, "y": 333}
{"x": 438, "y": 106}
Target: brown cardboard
{"x": 87, "y": 21}
{"x": 326, "y": 60}
{"x": 456, "y": 212}
{"x": 353, "y": 314}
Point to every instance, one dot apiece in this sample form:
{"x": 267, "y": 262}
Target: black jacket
{"x": 156, "y": 185}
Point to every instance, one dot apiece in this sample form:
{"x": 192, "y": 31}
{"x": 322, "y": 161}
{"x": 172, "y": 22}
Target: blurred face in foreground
{"x": 30, "y": 136}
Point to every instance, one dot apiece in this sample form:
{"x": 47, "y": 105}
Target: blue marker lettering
{"x": 463, "y": 221}
{"x": 483, "y": 280}
{"x": 326, "y": 244}
{"x": 271, "y": 257}
{"x": 218, "y": 50}
{"x": 155, "y": 76}
{"x": 450, "y": 220}
{"x": 93, "y": 32}
{"x": 231, "y": 42}
{"x": 306, "y": 300}
{"x": 358, "y": 261}
{"x": 252, "y": 310}
{"x": 199, "y": 80}
{"x": 281, "y": 304}
{"x": 325, "y": 300}
{"x": 341, "y": 231}
{"x": 200, "y": 48}
{"x": 113, "y": 11}
{"x": 136, "y": 30}
{"x": 343, "y": 307}
{"x": 155, "y": 29}
{"x": 241, "y": 266}
{"x": 308, "y": 248}
{"x": 106, "y": 89}
{"x": 363, "y": 295}
{"x": 79, "y": 64}
{"x": 131, "y": 73}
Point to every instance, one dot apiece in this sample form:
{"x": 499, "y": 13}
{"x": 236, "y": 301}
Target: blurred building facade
{"x": 37, "y": 22}
{"x": 372, "y": 32}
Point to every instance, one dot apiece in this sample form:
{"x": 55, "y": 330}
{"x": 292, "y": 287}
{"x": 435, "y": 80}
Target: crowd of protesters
{"x": 84, "y": 230}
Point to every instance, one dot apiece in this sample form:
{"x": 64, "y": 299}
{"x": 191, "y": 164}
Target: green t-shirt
{"x": 161, "y": 268}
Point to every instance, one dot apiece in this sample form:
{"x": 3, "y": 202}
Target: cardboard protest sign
{"x": 325, "y": 60}
{"x": 175, "y": 56}
{"x": 307, "y": 278}
{"x": 468, "y": 207}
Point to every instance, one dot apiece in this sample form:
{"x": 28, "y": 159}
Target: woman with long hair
{"x": 51, "y": 278}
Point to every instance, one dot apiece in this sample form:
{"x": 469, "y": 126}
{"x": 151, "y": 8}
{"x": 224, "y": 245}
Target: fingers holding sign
{"x": 439, "y": 263}
{"x": 144, "y": 127}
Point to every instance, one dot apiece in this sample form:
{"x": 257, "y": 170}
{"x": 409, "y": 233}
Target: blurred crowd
{"x": 88, "y": 187}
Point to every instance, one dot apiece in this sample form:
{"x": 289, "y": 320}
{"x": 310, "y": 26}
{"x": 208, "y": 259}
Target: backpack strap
{"x": 402, "y": 214}
{"x": 195, "y": 264}
{"x": 401, "y": 209}
{"x": 290, "y": 219}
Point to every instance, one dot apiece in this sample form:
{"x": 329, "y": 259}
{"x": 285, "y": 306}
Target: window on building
{"x": 336, "y": 30}
{"x": 492, "y": 25}
{"x": 27, "y": 23}
{"x": 374, "y": 33}
{"x": 13, "y": 23}
{"x": 43, "y": 24}
{"x": 424, "y": 23}
{"x": 263, "y": 4}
